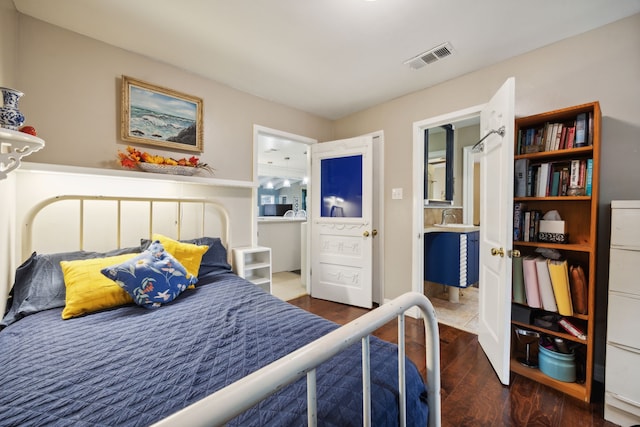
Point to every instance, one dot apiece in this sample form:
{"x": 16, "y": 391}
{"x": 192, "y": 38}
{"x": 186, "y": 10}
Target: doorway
{"x": 496, "y": 216}
{"x": 455, "y": 307}
{"x": 281, "y": 176}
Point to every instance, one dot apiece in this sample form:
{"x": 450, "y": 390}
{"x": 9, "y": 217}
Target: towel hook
{"x": 479, "y": 146}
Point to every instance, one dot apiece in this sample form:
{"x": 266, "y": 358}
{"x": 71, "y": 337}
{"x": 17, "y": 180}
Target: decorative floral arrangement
{"x": 133, "y": 158}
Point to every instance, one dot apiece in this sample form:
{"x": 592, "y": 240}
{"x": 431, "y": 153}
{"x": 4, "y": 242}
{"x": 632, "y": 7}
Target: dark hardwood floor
{"x": 471, "y": 393}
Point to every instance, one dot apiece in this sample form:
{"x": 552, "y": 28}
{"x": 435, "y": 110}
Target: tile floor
{"x": 461, "y": 315}
{"x": 286, "y": 285}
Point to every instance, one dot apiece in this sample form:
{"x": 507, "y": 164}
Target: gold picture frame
{"x": 154, "y": 115}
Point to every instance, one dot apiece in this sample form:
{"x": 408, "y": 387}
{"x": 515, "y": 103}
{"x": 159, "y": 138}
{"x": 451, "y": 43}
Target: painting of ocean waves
{"x": 156, "y": 125}
{"x": 159, "y": 117}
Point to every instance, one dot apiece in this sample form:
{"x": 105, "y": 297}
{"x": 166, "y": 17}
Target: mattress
{"x": 132, "y": 366}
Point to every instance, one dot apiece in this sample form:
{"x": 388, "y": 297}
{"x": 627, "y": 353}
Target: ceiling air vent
{"x": 430, "y": 56}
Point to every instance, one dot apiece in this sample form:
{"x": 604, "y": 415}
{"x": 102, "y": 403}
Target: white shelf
{"x": 134, "y": 173}
{"x": 14, "y": 145}
{"x": 254, "y": 264}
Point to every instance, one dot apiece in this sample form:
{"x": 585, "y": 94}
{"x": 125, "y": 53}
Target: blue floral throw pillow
{"x": 152, "y": 278}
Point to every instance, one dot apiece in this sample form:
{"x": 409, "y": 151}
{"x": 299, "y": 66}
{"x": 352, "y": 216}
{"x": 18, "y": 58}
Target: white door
{"x": 341, "y": 221}
{"x": 496, "y": 232}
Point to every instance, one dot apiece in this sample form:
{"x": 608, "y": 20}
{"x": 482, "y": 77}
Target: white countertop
{"x": 451, "y": 228}
{"x": 267, "y": 219}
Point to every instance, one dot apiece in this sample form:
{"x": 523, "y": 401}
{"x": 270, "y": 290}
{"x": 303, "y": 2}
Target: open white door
{"x": 341, "y": 221}
{"x": 496, "y": 232}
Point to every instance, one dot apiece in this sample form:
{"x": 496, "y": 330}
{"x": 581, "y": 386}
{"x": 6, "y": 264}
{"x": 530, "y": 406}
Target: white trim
{"x": 469, "y": 160}
{"x": 378, "y": 213}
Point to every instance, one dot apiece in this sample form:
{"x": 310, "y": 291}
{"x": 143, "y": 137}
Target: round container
{"x": 560, "y": 366}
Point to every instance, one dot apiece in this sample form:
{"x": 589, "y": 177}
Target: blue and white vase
{"x": 10, "y": 116}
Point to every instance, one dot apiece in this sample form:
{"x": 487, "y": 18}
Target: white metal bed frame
{"x": 225, "y": 404}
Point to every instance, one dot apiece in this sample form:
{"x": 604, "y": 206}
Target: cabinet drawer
{"x": 621, "y": 324}
{"x": 625, "y": 227}
{"x": 624, "y": 270}
{"x": 620, "y": 411}
{"x": 622, "y": 373}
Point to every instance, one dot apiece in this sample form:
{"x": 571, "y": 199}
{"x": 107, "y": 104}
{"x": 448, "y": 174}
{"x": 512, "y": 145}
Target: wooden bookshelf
{"x": 580, "y": 216}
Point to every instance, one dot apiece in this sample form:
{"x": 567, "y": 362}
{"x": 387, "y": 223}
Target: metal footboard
{"x": 231, "y": 401}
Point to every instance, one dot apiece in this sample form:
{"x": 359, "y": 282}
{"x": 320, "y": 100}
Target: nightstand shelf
{"x": 254, "y": 264}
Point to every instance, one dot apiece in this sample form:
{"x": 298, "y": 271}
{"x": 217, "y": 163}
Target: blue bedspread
{"x": 132, "y": 366}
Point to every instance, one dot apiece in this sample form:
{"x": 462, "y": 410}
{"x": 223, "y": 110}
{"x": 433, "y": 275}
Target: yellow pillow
{"x": 189, "y": 255}
{"x": 88, "y": 290}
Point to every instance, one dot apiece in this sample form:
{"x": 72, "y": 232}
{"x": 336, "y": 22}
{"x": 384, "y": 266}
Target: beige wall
{"x": 602, "y": 65}
{"x": 8, "y": 37}
{"x": 72, "y": 97}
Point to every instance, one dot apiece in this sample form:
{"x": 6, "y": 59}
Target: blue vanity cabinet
{"x": 452, "y": 258}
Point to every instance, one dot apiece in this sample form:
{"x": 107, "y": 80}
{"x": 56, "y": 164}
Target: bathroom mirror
{"x": 439, "y": 163}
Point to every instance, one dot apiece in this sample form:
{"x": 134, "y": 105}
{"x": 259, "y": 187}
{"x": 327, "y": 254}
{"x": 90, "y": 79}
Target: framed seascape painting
{"x": 154, "y": 115}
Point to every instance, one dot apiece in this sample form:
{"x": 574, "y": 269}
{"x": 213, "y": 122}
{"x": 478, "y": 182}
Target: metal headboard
{"x": 222, "y": 215}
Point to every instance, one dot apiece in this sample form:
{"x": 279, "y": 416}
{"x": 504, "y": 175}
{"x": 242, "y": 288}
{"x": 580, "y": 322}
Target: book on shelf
{"x": 574, "y": 180}
{"x": 559, "y": 181}
{"x": 534, "y": 225}
{"x": 557, "y": 136}
{"x": 579, "y": 289}
{"x": 559, "y": 273}
{"x": 563, "y": 138}
{"x": 547, "y": 297}
{"x": 571, "y": 134}
{"x": 588, "y": 186}
{"x": 564, "y": 180}
{"x": 543, "y": 180}
{"x": 531, "y": 282}
{"x": 553, "y": 136}
{"x": 555, "y": 183}
{"x": 520, "y": 170}
{"x": 518, "y": 281}
{"x": 526, "y": 223}
{"x": 532, "y": 172}
{"x": 518, "y": 221}
{"x": 549, "y": 136}
{"x": 581, "y": 130}
{"x": 571, "y": 328}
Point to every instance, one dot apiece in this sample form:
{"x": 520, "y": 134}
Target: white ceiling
{"x": 327, "y": 57}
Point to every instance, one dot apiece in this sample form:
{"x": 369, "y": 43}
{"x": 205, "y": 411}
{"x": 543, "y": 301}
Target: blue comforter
{"x": 132, "y": 367}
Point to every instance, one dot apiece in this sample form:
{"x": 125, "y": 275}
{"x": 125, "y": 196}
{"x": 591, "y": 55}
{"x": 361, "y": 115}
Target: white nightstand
{"x": 254, "y": 264}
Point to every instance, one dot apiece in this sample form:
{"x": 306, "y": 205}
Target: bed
{"x": 221, "y": 352}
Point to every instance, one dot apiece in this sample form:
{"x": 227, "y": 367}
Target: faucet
{"x": 447, "y": 213}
